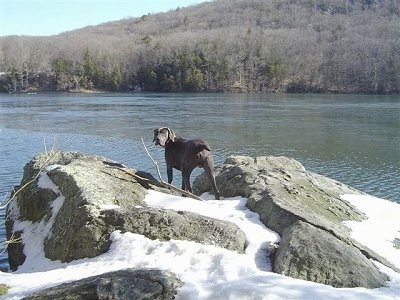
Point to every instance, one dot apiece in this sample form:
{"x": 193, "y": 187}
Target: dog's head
{"x": 163, "y": 135}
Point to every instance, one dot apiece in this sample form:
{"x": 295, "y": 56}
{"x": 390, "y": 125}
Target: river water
{"x": 352, "y": 138}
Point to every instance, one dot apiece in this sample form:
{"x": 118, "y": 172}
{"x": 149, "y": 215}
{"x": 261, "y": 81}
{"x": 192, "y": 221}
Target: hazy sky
{"x": 48, "y": 17}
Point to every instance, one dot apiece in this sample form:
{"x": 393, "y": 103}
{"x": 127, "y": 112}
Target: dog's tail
{"x": 203, "y": 157}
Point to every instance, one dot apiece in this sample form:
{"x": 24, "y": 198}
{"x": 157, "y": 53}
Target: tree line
{"x": 349, "y": 46}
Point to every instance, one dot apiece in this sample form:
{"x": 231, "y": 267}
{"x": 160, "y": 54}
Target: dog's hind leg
{"x": 186, "y": 171}
{"x": 209, "y": 170}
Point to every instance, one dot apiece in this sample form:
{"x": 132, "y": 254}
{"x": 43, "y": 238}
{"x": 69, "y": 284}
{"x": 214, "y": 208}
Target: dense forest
{"x": 348, "y": 46}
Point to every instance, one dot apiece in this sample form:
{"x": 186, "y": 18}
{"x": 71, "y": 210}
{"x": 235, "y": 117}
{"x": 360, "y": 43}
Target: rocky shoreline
{"x": 94, "y": 197}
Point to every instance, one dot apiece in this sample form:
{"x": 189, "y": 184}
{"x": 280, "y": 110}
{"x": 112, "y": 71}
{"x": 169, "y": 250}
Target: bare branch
{"x": 154, "y": 162}
{"x": 12, "y": 240}
{"x": 50, "y": 156}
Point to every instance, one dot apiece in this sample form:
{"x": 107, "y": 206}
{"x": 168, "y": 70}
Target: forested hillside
{"x": 223, "y": 45}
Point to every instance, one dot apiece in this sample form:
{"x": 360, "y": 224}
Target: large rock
{"x": 303, "y": 254}
{"x": 119, "y": 285}
{"x": 164, "y": 225}
{"x": 84, "y": 198}
{"x": 283, "y": 193}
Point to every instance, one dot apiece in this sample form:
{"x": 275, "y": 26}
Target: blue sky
{"x": 48, "y": 17}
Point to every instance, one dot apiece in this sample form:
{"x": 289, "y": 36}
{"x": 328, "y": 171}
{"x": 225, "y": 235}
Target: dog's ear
{"x": 171, "y": 134}
{"x": 155, "y": 133}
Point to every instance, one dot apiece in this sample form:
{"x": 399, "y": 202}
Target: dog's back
{"x": 197, "y": 145}
{"x": 198, "y": 153}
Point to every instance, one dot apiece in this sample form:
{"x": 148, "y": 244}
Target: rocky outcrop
{"x": 84, "y": 198}
{"x": 81, "y": 199}
{"x": 306, "y": 210}
{"x": 282, "y": 192}
{"x": 118, "y": 285}
{"x": 303, "y": 254}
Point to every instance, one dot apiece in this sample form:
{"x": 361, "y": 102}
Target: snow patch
{"x": 380, "y": 229}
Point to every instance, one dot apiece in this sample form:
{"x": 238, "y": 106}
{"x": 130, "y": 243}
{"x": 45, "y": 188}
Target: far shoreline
{"x": 34, "y": 91}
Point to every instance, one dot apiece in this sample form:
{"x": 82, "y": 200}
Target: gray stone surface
{"x": 138, "y": 284}
{"x": 165, "y": 225}
{"x": 283, "y": 193}
{"x": 84, "y": 222}
{"x": 313, "y": 254}
{"x": 102, "y": 196}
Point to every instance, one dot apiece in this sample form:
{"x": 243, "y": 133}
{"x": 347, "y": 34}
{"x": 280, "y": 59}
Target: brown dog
{"x": 185, "y": 155}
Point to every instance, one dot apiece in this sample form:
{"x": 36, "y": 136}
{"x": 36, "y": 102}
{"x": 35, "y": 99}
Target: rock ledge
{"x": 306, "y": 210}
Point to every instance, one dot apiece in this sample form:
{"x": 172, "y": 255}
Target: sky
{"x": 208, "y": 272}
{"x": 50, "y": 17}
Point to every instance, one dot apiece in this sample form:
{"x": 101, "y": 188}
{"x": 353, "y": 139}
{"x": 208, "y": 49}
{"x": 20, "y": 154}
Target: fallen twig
{"x": 50, "y": 156}
{"x": 12, "y": 240}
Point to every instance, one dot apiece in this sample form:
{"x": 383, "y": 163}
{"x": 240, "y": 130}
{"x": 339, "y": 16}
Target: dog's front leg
{"x": 186, "y": 171}
{"x": 183, "y": 184}
{"x": 169, "y": 174}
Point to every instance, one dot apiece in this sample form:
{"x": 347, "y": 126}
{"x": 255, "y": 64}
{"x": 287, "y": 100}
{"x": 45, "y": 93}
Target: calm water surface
{"x": 352, "y": 138}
